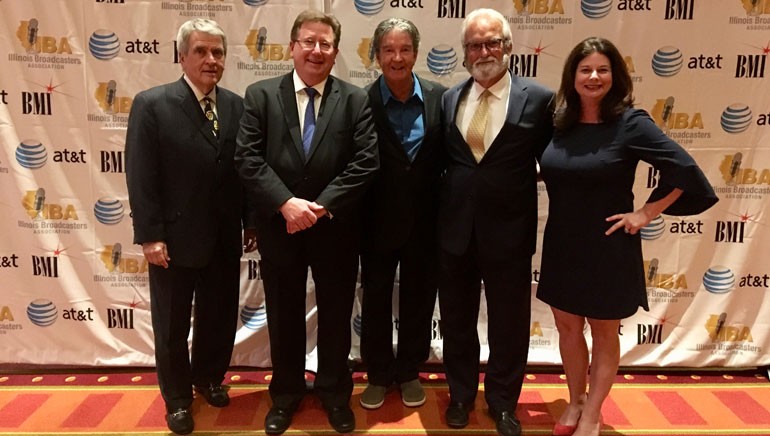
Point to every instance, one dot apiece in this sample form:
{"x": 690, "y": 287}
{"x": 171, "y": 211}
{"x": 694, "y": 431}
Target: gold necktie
{"x": 211, "y": 116}
{"x": 475, "y": 135}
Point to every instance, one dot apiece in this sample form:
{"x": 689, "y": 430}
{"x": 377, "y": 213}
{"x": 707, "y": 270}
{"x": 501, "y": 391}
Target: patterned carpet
{"x": 679, "y": 403}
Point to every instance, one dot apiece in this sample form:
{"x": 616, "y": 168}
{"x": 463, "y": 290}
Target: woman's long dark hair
{"x": 618, "y": 99}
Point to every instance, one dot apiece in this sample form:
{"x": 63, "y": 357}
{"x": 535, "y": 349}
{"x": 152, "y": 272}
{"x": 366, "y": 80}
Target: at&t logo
{"x": 442, "y": 60}
{"x": 42, "y": 312}
{"x": 595, "y": 9}
{"x": 634, "y": 5}
{"x": 254, "y": 317}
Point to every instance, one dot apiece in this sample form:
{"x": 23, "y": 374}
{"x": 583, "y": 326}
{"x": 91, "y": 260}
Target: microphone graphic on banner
{"x": 652, "y": 271}
{"x": 39, "y": 202}
{"x": 524, "y": 10}
{"x": 735, "y": 166}
{"x": 668, "y": 107}
{"x": 32, "y": 35}
{"x": 261, "y": 39}
{"x": 371, "y": 56}
{"x": 110, "y": 97}
{"x": 117, "y": 250}
{"x": 755, "y": 8}
{"x": 720, "y": 324}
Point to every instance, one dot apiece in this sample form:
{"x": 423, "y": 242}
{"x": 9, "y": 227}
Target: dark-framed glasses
{"x": 490, "y": 44}
{"x": 309, "y": 44}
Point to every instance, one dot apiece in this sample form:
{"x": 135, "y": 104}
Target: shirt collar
{"x": 299, "y": 85}
{"x": 200, "y": 95}
{"x": 498, "y": 89}
{"x": 387, "y": 95}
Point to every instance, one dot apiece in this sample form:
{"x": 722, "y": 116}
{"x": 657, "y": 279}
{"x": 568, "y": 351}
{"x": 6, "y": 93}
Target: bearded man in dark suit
{"x": 307, "y": 150}
{"x": 188, "y": 210}
{"x": 496, "y": 125}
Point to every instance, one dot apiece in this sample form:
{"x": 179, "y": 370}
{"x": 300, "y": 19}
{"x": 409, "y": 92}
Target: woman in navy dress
{"x": 592, "y": 269}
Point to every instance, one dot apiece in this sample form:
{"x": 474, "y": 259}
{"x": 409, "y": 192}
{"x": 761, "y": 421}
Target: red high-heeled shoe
{"x": 563, "y": 430}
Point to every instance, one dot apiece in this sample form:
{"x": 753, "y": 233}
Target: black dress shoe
{"x": 278, "y": 420}
{"x": 342, "y": 419}
{"x": 457, "y": 415}
{"x": 180, "y": 421}
{"x": 216, "y": 395}
{"x": 506, "y": 422}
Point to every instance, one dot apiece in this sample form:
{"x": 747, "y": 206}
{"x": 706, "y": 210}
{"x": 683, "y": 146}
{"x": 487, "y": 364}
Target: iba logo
{"x": 7, "y": 321}
{"x": 366, "y": 53}
{"x": 110, "y": 102}
{"x": 33, "y": 41}
{"x": 36, "y": 207}
{"x": 719, "y": 331}
{"x": 113, "y": 259}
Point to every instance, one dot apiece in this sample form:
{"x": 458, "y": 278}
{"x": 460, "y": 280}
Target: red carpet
{"x": 706, "y": 403}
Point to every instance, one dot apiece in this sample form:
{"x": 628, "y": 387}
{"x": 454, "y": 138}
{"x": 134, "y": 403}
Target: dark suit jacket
{"x": 273, "y": 167}
{"x": 404, "y": 196}
{"x": 182, "y": 185}
{"x": 497, "y": 197}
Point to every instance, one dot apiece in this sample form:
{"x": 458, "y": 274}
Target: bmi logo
{"x": 525, "y": 65}
{"x": 28, "y": 33}
{"x": 649, "y": 334}
{"x": 46, "y": 266}
{"x": 451, "y": 9}
{"x": 679, "y": 9}
{"x": 752, "y": 66}
{"x": 122, "y": 318}
{"x": 112, "y": 161}
{"x": 732, "y": 231}
{"x": 254, "y": 272}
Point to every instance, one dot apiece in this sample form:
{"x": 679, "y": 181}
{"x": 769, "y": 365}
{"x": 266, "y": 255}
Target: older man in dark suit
{"x": 496, "y": 125}
{"x": 187, "y": 208}
{"x": 306, "y": 151}
{"x": 400, "y": 216}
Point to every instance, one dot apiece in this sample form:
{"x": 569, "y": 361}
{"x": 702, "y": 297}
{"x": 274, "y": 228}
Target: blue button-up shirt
{"x": 407, "y": 118}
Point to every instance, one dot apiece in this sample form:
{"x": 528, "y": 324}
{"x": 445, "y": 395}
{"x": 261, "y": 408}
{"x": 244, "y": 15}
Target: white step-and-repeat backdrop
{"x": 74, "y": 289}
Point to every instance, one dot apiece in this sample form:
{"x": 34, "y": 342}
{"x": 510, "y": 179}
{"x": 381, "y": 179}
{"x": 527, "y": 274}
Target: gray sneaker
{"x": 412, "y": 393}
{"x": 373, "y": 396}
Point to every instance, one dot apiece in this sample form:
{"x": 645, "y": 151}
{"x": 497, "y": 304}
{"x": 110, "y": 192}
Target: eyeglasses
{"x": 309, "y": 44}
{"x": 491, "y": 45}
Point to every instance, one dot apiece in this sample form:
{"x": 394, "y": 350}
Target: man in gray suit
{"x": 400, "y": 215}
{"x": 188, "y": 210}
{"x": 307, "y": 150}
{"x": 496, "y": 125}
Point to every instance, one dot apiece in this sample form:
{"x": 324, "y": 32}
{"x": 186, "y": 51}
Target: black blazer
{"x": 273, "y": 167}
{"x": 182, "y": 184}
{"x": 404, "y": 196}
{"x": 497, "y": 197}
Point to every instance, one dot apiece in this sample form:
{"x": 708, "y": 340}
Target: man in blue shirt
{"x": 400, "y": 218}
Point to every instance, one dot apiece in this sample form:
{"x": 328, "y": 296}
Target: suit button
{"x": 408, "y": 167}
